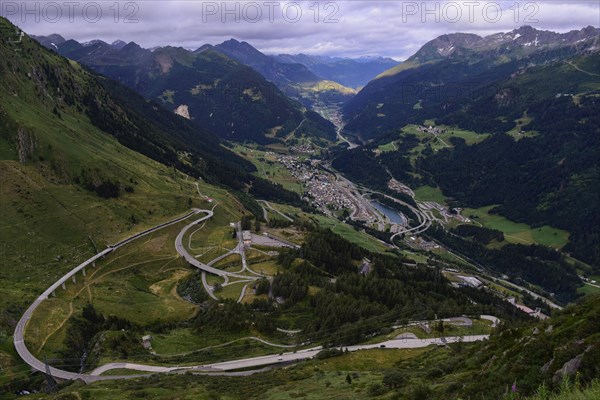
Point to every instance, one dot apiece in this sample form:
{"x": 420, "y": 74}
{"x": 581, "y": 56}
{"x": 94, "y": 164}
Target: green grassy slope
{"x": 69, "y": 188}
{"x": 513, "y": 356}
{"x": 33, "y": 74}
{"x": 518, "y": 232}
{"x": 527, "y": 356}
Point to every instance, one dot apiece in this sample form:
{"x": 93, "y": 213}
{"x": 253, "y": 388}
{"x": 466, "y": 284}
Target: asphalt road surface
{"x": 18, "y": 337}
{"x": 402, "y": 343}
{"x": 193, "y": 261}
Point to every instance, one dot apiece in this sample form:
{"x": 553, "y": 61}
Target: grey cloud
{"x": 364, "y": 27}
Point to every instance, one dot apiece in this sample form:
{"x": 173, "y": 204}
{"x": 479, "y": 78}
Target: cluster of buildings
{"x": 418, "y": 243}
{"x": 444, "y": 211}
{"x": 319, "y": 186}
{"x": 430, "y": 129}
{"x": 300, "y": 169}
{"x": 331, "y": 194}
{"x": 302, "y": 148}
{"x": 469, "y": 281}
{"x": 326, "y": 195}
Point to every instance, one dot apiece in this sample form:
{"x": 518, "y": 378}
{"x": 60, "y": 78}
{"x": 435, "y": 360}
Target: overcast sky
{"x": 339, "y": 28}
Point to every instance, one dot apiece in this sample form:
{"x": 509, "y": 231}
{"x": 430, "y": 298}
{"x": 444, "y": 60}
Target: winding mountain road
{"x": 264, "y": 203}
{"x": 287, "y": 357}
{"x": 220, "y": 368}
{"x": 18, "y": 337}
{"x": 194, "y": 262}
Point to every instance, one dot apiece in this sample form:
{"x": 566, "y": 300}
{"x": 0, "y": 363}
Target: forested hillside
{"x": 552, "y": 178}
{"x": 538, "y": 166}
{"x": 513, "y": 364}
{"x": 206, "y": 86}
{"x": 453, "y": 71}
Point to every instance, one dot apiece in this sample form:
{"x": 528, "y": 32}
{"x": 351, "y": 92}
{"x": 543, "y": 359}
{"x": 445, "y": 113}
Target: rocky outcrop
{"x": 26, "y": 145}
{"x": 546, "y": 367}
{"x": 183, "y": 111}
{"x": 568, "y": 369}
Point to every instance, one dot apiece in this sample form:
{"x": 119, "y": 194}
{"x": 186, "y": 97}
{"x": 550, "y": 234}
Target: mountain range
{"x": 206, "y": 86}
{"x": 455, "y": 68}
{"x": 502, "y": 84}
{"x": 308, "y": 79}
{"x": 533, "y": 98}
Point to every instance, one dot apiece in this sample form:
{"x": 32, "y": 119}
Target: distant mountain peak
{"x": 93, "y": 43}
{"x": 590, "y": 30}
{"x": 118, "y": 44}
{"x": 350, "y": 72}
{"x": 280, "y": 73}
{"x": 371, "y": 58}
{"x": 131, "y": 46}
{"x": 231, "y": 41}
{"x": 525, "y": 29}
{"x": 56, "y": 38}
{"x": 204, "y": 47}
{"x": 445, "y": 45}
{"x": 523, "y": 40}
{"x": 237, "y": 46}
{"x": 51, "y": 41}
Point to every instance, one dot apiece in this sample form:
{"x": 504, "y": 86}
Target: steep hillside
{"x": 72, "y": 184}
{"x": 85, "y": 161}
{"x": 296, "y": 79}
{"x": 275, "y": 71}
{"x": 207, "y": 87}
{"x": 550, "y": 173}
{"x": 457, "y": 68}
{"x": 567, "y": 346}
{"x": 535, "y": 92}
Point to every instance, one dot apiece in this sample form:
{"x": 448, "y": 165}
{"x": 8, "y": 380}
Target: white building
{"x": 471, "y": 281}
{"x": 247, "y": 237}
